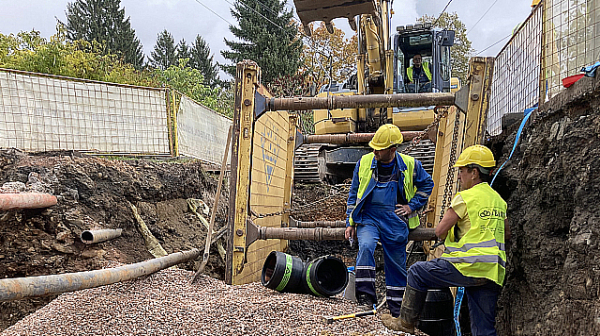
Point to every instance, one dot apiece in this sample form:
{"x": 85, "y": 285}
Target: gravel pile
{"x": 166, "y": 304}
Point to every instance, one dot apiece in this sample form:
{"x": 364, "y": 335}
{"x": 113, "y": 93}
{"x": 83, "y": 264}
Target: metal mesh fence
{"x": 572, "y": 40}
{"x": 515, "y": 85}
{"x": 44, "y": 112}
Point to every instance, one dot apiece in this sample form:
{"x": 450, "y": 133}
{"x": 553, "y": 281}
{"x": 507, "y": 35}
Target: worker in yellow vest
{"x": 475, "y": 233}
{"x": 388, "y": 188}
{"x": 419, "y": 75}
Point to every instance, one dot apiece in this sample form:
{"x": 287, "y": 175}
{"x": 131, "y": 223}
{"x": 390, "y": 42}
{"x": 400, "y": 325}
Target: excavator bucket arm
{"x": 327, "y": 10}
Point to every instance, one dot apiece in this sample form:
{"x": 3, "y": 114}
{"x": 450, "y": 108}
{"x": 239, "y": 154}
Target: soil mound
{"x": 96, "y": 193}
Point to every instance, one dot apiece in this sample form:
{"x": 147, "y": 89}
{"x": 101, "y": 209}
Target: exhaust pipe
{"x": 26, "y": 201}
{"x": 98, "y": 236}
{"x": 20, "y": 288}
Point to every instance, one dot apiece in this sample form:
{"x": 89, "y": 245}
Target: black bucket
{"x": 283, "y": 273}
{"x": 326, "y": 276}
{"x": 437, "y": 316}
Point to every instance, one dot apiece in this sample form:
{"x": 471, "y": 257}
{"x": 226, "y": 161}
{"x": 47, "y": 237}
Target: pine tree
{"x": 183, "y": 50}
{"x": 201, "y": 59}
{"x": 267, "y": 36}
{"x": 104, "y": 21}
{"x": 165, "y": 53}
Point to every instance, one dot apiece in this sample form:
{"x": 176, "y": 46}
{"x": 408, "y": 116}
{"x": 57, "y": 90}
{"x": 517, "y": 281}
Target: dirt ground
{"x": 94, "y": 193}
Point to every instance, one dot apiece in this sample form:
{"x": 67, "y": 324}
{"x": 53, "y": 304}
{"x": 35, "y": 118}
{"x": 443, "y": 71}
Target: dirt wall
{"x": 552, "y": 186}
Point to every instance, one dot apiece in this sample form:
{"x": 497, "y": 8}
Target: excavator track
{"x": 308, "y": 169}
{"x": 306, "y": 164}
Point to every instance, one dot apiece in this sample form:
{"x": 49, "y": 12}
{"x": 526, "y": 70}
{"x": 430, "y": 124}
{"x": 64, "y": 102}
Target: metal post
{"x": 247, "y": 74}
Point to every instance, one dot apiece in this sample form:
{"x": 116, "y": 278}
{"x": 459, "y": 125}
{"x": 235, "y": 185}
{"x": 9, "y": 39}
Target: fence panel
{"x": 515, "y": 85}
{"x": 42, "y": 112}
{"x": 201, "y": 132}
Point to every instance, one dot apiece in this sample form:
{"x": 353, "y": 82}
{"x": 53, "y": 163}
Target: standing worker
{"x": 388, "y": 188}
{"x": 475, "y": 231}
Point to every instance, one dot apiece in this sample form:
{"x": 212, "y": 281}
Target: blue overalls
{"x": 380, "y": 223}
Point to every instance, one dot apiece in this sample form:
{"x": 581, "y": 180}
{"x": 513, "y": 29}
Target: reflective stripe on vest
{"x": 365, "y": 179}
{"x": 480, "y": 253}
{"x": 424, "y": 66}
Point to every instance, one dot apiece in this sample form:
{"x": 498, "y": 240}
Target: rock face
{"x": 552, "y": 186}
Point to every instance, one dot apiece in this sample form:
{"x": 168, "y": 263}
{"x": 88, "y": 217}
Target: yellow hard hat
{"x": 535, "y": 3}
{"x": 386, "y": 136}
{"x": 477, "y": 154}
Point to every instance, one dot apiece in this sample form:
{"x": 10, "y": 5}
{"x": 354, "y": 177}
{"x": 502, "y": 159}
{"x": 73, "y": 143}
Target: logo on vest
{"x": 491, "y": 213}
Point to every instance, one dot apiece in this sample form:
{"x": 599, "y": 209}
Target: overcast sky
{"x": 188, "y": 18}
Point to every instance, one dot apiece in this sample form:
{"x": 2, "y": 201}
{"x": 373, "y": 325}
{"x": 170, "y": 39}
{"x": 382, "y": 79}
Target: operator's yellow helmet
{"x": 476, "y": 154}
{"x": 386, "y": 136}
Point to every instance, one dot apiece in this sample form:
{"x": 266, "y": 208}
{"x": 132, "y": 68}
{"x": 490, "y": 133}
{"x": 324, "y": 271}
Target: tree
{"x": 164, "y": 54}
{"x": 191, "y": 83}
{"x": 104, "y": 21}
{"x": 29, "y": 51}
{"x": 462, "y": 50}
{"x": 267, "y": 36}
{"x": 183, "y": 50}
{"x": 201, "y": 59}
{"x": 322, "y": 49}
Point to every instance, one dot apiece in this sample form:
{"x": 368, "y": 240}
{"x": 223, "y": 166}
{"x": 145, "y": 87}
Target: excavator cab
{"x": 433, "y": 46}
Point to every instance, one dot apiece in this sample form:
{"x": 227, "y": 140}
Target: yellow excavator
{"x": 382, "y": 68}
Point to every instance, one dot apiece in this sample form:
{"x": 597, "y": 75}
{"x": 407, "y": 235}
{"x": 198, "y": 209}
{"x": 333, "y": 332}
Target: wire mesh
{"x": 42, "y": 112}
{"x": 515, "y": 85}
{"x": 572, "y": 40}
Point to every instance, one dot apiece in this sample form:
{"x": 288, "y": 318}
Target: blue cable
{"x": 527, "y": 115}
{"x": 457, "y": 303}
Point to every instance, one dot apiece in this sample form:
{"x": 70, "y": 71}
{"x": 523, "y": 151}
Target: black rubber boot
{"x": 412, "y": 305}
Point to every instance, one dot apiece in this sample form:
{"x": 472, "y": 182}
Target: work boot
{"x": 365, "y": 302}
{"x": 412, "y": 304}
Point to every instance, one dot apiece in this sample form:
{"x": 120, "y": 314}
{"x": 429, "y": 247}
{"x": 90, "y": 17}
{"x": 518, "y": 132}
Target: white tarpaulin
{"x": 41, "y": 113}
{"x": 201, "y": 132}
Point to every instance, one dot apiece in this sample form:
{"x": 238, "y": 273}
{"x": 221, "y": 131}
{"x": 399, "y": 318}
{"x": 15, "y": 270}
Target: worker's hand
{"x": 350, "y": 232}
{"x": 403, "y": 210}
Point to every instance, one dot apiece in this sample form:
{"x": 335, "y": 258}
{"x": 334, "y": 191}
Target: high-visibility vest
{"x": 367, "y": 184}
{"x": 424, "y": 67}
{"x": 481, "y": 252}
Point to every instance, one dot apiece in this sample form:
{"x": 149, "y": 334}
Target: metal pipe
{"x": 19, "y": 288}
{"x": 350, "y": 138}
{"x": 300, "y": 224}
{"x": 98, "y": 236}
{"x": 26, "y": 201}
{"x": 321, "y": 233}
{"x": 362, "y": 101}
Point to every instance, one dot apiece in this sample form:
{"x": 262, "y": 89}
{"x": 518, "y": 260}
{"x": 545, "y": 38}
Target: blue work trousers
{"x": 380, "y": 223}
{"x": 482, "y": 294}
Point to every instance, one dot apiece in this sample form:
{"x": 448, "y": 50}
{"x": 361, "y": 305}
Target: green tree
{"x": 201, "y": 59}
{"x": 165, "y": 52}
{"x": 462, "y": 50}
{"x": 183, "y": 50}
{"x": 191, "y": 83}
{"x": 104, "y": 21}
{"x": 267, "y": 35}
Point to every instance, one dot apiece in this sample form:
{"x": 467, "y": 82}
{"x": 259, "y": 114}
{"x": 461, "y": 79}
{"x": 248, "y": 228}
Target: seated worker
{"x": 419, "y": 75}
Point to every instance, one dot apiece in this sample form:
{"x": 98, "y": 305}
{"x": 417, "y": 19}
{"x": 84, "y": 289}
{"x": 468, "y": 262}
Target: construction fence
{"x": 40, "y": 112}
{"x": 554, "y": 42}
